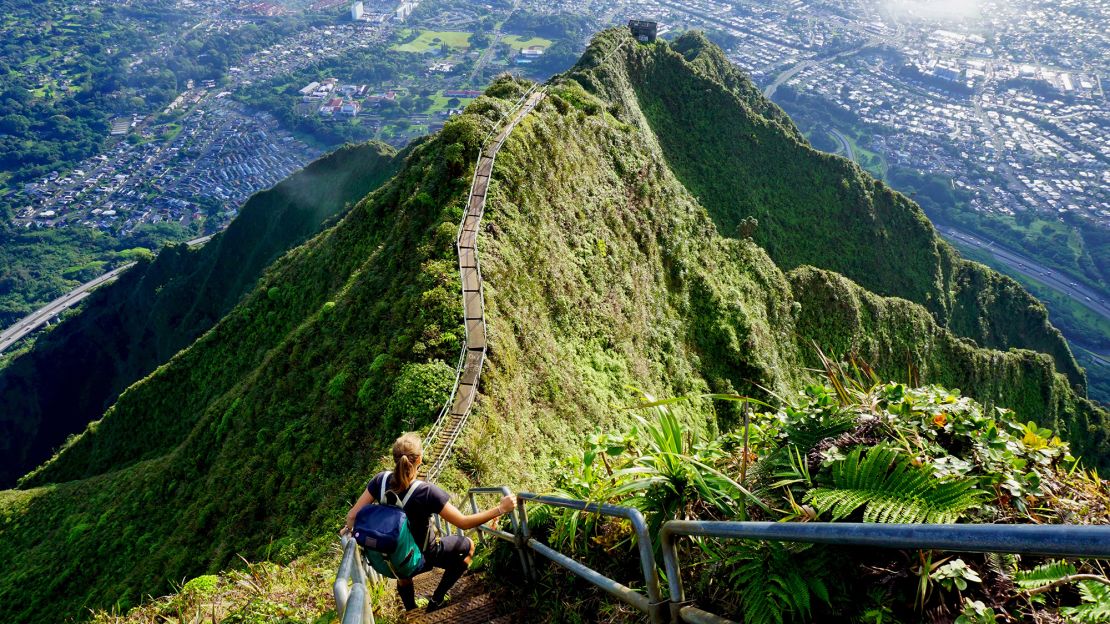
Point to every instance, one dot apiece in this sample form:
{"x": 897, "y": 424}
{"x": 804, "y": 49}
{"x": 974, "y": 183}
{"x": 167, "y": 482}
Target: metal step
{"x": 470, "y": 602}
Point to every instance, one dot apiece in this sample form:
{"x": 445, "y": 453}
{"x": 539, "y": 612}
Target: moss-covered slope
{"x": 261, "y": 429}
{"x": 743, "y": 159}
{"x": 126, "y": 329}
{"x": 602, "y": 269}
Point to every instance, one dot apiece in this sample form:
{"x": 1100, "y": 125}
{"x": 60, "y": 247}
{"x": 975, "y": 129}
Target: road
{"x": 845, "y": 144}
{"x": 36, "y": 319}
{"x": 1017, "y": 263}
{"x": 789, "y": 73}
{"x": 494, "y": 40}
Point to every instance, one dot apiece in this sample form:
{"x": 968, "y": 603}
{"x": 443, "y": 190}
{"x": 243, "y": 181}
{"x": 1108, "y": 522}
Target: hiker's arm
{"x": 451, "y": 513}
{"x": 362, "y": 501}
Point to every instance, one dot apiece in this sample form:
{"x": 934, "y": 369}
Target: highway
{"x": 36, "y": 319}
{"x": 845, "y": 145}
{"x": 1086, "y": 296}
{"x": 789, "y": 73}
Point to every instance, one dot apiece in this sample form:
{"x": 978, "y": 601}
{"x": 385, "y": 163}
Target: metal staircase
{"x": 471, "y": 602}
{"x": 456, "y": 410}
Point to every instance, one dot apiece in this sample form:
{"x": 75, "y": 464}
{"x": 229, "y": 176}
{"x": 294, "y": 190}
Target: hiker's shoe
{"x": 436, "y": 605}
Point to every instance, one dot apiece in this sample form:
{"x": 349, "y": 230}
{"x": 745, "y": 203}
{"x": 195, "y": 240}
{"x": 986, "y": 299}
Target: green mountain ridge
{"x": 822, "y": 210}
{"x": 608, "y": 260}
{"x": 127, "y": 329}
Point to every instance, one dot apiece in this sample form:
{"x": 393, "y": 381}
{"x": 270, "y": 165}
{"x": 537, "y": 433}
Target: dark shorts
{"x": 447, "y": 552}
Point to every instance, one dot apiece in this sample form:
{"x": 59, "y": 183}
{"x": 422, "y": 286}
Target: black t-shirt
{"x": 428, "y": 499}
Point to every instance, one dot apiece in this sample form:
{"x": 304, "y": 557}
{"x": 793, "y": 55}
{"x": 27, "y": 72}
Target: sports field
{"x": 433, "y": 39}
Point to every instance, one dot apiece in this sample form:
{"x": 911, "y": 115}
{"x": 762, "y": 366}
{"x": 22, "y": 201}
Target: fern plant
{"x": 775, "y": 580}
{"x": 1094, "y": 590}
{"x": 892, "y": 489}
{"x": 1043, "y": 575}
{"x": 1095, "y": 608}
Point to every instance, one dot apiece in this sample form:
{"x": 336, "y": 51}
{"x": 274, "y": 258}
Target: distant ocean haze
{"x": 945, "y": 10}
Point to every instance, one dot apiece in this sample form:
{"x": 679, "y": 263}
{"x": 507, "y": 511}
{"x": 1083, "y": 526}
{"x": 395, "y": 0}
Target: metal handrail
{"x": 509, "y": 111}
{"x": 653, "y": 604}
{"x": 516, "y": 536}
{"x": 1045, "y": 540}
{"x": 352, "y": 604}
{"x": 443, "y": 417}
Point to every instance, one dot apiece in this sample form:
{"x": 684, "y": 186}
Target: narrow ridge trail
{"x": 472, "y": 600}
{"x": 452, "y": 418}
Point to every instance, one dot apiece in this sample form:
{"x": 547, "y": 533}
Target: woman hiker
{"x": 452, "y": 553}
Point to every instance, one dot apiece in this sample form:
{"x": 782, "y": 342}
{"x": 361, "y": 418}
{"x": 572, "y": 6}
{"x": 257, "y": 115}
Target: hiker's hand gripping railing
{"x": 352, "y": 604}
{"x": 515, "y": 537}
{"x": 1046, "y": 540}
{"x": 653, "y": 604}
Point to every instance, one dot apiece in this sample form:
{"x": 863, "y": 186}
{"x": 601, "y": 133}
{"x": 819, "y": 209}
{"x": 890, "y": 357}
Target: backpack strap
{"x": 385, "y": 482}
{"x": 412, "y": 489}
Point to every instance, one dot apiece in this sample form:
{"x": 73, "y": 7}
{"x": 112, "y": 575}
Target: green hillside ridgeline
{"x": 127, "y": 329}
{"x": 608, "y": 261}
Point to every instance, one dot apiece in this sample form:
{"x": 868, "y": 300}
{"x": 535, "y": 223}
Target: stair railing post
{"x": 674, "y": 575}
{"x": 524, "y": 538}
{"x": 474, "y": 510}
{"x": 518, "y": 539}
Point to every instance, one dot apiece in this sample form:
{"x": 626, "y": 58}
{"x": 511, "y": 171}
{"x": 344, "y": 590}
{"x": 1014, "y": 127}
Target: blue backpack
{"x": 383, "y": 532}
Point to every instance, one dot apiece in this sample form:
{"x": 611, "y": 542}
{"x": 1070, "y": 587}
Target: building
{"x": 357, "y": 9}
{"x": 402, "y": 13}
{"x": 643, "y": 31}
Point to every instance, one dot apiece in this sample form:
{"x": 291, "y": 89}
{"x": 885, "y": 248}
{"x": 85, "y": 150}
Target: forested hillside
{"x": 606, "y": 263}
{"x": 818, "y": 209}
{"x": 125, "y": 330}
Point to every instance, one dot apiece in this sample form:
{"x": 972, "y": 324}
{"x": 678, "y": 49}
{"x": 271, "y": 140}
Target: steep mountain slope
{"x": 818, "y": 209}
{"x": 601, "y": 270}
{"x": 125, "y": 330}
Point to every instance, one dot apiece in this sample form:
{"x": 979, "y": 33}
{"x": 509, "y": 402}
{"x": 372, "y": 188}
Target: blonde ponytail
{"x": 406, "y": 452}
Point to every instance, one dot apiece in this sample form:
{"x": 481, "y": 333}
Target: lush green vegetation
{"x": 298, "y": 592}
{"x": 517, "y": 42}
{"x": 429, "y": 40}
{"x": 809, "y": 208}
{"x": 38, "y": 265}
{"x": 602, "y": 269}
{"x": 1064, "y": 246}
{"x": 1088, "y": 332}
{"x": 567, "y": 31}
{"x": 126, "y": 330}
{"x": 852, "y": 450}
